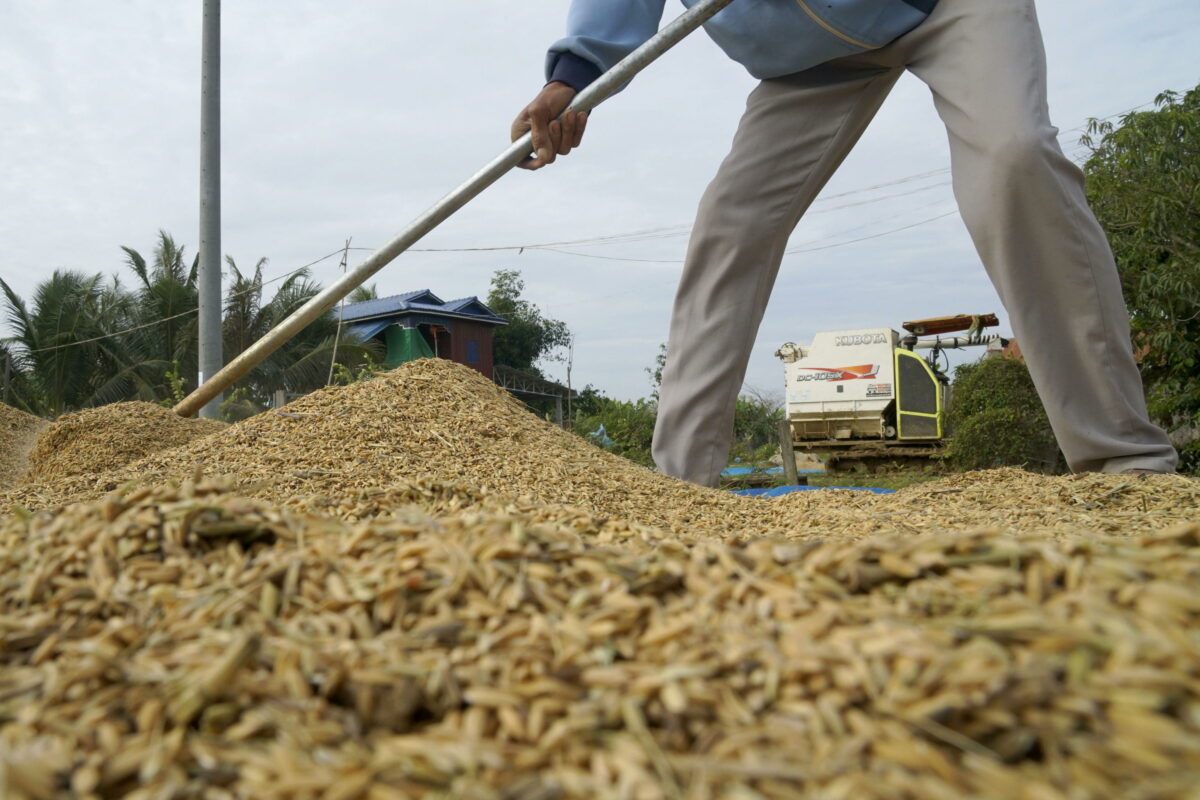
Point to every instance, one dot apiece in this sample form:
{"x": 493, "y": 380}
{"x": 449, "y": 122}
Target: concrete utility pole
{"x": 209, "y": 278}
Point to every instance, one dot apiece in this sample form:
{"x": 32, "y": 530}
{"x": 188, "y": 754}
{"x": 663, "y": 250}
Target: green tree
{"x": 529, "y": 336}
{"x": 996, "y": 419}
{"x": 84, "y": 341}
{"x": 300, "y": 365}
{"x": 363, "y": 293}
{"x": 164, "y": 316}
{"x": 656, "y": 372}
{"x": 17, "y": 391}
{"x": 756, "y": 426}
{"x": 62, "y": 345}
{"x": 1143, "y": 181}
{"x": 629, "y": 424}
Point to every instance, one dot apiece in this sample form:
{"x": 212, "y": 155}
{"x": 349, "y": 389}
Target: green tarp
{"x": 404, "y": 345}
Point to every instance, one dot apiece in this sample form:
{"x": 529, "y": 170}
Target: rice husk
{"x": 412, "y": 587}
{"x": 432, "y": 422}
{"x": 184, "y": 641}
{"x": 18, "y": 432}
{"x": 109, "y": 437}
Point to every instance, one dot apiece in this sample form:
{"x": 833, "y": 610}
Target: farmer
{"x": 825, "y": 68}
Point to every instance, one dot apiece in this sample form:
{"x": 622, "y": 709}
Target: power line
{"x": 792, "y": 251}
{"x": 640, "y": 235}
{"x": 652, "y": 234}
{"x": 795, "y": 250}
{"x": 676, "y": 231}
{"x": 648, "y": 234}
{"x": 611, "y": 258}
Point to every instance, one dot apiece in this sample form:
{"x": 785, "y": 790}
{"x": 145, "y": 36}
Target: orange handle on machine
{"x": 960, "y": 322}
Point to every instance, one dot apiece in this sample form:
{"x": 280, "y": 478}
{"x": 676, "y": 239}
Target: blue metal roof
{"x": 422, "y": 302}
{"x": 365, "y": 330}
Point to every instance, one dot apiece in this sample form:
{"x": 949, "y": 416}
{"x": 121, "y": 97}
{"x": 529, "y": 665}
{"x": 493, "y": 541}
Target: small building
{"x": 421, "y": 325}
{"x": 1008, "y": 348}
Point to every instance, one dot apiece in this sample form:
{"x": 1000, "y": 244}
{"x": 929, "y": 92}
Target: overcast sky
{"x": 348, "y": 119}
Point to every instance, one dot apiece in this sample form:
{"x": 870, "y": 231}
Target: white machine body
{"x": 841, "y": 385}
{"x": 866, "y": 399}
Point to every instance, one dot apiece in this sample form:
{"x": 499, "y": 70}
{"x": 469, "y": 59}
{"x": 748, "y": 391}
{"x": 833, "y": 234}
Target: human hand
{"x": 553, "y": 135}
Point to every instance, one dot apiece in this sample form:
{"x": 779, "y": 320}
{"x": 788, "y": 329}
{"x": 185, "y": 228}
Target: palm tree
{"x": 242, "y": 324}
{"x": 18, "y": 391}
{"x": 363, "y": 293}
{"x": 64, "y": 347}
{"x": 300, "y": 365}
{"x": 166, "y": 304}
{"x": 84, "y": 341}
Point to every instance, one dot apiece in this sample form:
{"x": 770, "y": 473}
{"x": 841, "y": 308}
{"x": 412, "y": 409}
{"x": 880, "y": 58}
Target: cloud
{"x": 348, "y": 120}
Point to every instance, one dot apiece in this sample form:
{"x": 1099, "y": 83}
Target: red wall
{"x": 460, "y": 337}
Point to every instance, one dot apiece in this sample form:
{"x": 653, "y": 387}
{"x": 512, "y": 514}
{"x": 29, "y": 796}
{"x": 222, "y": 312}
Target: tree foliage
{"x": 756, "y": 425}
{"x": 84, "y": 341}
{"x": 996, "y": 419}
{"x": 363, "y": 293}
{"x": 529, "y": 336}
{"x": 302, "y": 364}
{"x": 161, "y": 309}
{"x": 59, "y": 348}
{"x": 1143, "y": 181}
{"x": 656, "y": 372}
{"x": 629, "y": 424}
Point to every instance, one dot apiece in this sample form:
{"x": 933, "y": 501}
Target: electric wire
{"x": 677, "y": 231}
{"x": 649, "y": 234}
{"x": 794, "y": 250}
{"x": 790, "y": 251}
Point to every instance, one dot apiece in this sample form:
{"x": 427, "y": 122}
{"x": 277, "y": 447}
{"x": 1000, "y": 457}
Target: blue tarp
{"x": 730, "y": 472}
{"x": 601, "y": 437}
{"x": 779, "y": 491}
{"x": 739, "y": 472}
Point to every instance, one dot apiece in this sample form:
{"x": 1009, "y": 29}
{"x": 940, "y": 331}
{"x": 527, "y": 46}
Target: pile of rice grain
{"x": 185, "y": 642}
{"x": 109, "y": 437}
{"x": 414, "y": 588}
{"x": 344, "y": 450}
{"x": 18, "y": 431}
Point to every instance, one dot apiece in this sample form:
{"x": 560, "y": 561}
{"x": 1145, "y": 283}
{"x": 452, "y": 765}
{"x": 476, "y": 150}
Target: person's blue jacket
{"x": 769, "y": 37}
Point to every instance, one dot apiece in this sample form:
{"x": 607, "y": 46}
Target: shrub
{"x": 996, "y": 419}
{"x": 630, "y": 425}
{"x": 1189, "y": 457}
{"x": 756, "y": 428}
{"x": 239, "y": 406}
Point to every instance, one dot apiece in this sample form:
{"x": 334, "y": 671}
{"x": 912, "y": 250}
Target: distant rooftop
{"x": 421, "y": 301}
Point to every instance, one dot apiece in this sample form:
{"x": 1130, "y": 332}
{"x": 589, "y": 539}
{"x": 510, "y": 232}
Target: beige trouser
{"x": 1021, "y": 199}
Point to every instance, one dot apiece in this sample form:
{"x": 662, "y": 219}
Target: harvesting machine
{"x": 870, "y": 399}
